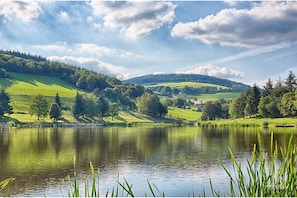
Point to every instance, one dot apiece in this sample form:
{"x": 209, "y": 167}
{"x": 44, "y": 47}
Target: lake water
{"x": 178, "y": 160}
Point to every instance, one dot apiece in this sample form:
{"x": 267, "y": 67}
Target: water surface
{"x": 178, "y": 160}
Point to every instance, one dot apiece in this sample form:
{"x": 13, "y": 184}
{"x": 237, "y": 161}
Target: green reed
{"x": 92, "y": 189}
{"x": 5, "y": 182}
{"x": 266, "y": 174}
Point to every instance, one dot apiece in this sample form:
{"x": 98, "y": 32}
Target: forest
{"x": 273, "y": 101}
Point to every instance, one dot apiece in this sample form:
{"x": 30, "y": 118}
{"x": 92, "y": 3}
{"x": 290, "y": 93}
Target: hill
{"x": 24, "y": 75}
{"x": 22, "y": 87}
{"x": 152, "y": 79}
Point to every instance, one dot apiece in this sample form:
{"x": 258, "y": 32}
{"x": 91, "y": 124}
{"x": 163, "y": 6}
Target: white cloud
{"x": 92, "y": 49}
{"x": 24, "y": 11}
{"x": 79, "y": 49}
{"x": 63, "y": 16}
{"x": 212, "y": 70}
{"x": 267, "y": 23}
{"x": 92, "y": 64}
{"x": 134, "y": 18}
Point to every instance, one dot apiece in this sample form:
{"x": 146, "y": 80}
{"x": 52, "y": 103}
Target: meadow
{"x": 21, "y": 88}
{"x": 189, "y": 84}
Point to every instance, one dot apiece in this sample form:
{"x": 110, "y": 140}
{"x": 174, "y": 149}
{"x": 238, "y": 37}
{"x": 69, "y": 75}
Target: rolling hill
{"x": 152, "y": 79}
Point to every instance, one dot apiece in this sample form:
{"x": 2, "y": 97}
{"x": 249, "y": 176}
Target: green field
{"x": 190, "y": 115}
{"x": 189, "y": 84}
{"x": 21, "y": 88}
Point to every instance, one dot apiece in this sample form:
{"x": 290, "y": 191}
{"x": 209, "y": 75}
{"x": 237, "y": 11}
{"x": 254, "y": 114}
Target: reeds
{"x": 266, "y": 174}
{"x": 5, "y": 182}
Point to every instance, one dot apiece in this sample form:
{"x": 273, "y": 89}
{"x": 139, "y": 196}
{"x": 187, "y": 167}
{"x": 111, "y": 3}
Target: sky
{"x": 243, "y": 41}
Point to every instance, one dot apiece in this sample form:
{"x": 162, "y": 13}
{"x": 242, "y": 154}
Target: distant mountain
{"x": 164, "y": 78}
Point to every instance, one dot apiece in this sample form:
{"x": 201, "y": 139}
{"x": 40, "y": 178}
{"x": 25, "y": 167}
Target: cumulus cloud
{"x": 24, "y": 11}
{"x": 92, "y": 64}
{"x": 265, "y": 24}
{"x": 212, "y": 70}
{"x": 134, "y": 18}
{"x": 79, "y": 49}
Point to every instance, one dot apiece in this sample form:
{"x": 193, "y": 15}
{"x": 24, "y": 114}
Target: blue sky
{"x": 243, "y": 41}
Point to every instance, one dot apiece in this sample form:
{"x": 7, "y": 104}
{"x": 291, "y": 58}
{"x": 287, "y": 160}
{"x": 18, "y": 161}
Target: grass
{"x": 5, "y": 182}
{"x": 266, "y": 175}
{"x": 217, "y": 96}
{"x": 189, "y": 84}
{"x": 252, "y": 122}
{"x": 21, "y": 88}
{"x": 190, "y": 115}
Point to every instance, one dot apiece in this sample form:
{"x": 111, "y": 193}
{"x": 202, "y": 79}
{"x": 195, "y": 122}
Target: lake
{"x": 178, "y": 160}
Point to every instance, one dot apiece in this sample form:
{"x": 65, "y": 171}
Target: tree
{"x": 148, "y": 104}
{"x": 55, "y": 112}
{"x": 288, "y": 107}
{"x": 268, "y": 87}
{"x": 5, "y": 106}
{"x": 39, "y": 106}
{"x": 211, "y": 110}
{"x": 102, "y": 106}
{"x": 291, "y": 82}
{"x": 90, "y": 106}
{"x": 237, "y": 106}
{"x": 58, "y": 101}
{"x": 114, "y": 109}
{"x": 162, "y": 109}
{"x": 252, "y": 101}
{"x": 78, "y": 106}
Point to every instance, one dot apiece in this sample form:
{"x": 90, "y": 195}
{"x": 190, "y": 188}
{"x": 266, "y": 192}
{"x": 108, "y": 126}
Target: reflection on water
{"x": 179, "y": 161}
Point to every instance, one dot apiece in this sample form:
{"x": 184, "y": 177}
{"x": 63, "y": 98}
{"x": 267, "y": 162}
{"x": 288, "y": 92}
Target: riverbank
{"x": 251, "y": 122}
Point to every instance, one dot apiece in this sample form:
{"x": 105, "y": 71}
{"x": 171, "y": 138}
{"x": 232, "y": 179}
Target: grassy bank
{"x": 251, "y": 122}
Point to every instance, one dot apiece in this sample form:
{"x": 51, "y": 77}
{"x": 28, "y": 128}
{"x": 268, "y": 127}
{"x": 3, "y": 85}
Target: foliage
{"x": 5, "y": 182}
{"x": 55, "y": 111}
{"x": 277, "y": 101}
{"x": 58, "y": 101}
{"x": 252, "y": 101}
{"x": 124, "y": 93}
{"x": 211, "y": 110}
{"x": 102, "y": 107}
{"x": 149, "y": 104}
{"x": 114, "y": 109}
{"x": 237, "y": 106}
{"x": 265, "y": 177}
{"x": 39, "y": 106}
{"x": 5, "y": 106}
{"x": 78, "y": 106}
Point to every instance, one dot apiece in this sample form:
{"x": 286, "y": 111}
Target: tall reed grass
{"x": 5, "y": 182}
{"x": 267, "y": 174}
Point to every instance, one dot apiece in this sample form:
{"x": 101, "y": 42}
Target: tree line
{"x": 188, "y": 90}
{"x": 273, "y": 101}
{"x": 84, "y": 106}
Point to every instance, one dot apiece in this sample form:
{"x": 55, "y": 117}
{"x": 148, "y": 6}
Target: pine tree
{"x": 58, "y": 101}
{"x": 78, "y": 106}
{"x": 267, "y": 88}
{"x": 5, "y": 106}
{"x": 252, "y": 101}
{"x": 55, "y": 112}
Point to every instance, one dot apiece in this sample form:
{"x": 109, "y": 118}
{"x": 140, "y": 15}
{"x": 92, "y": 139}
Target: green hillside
{"x": 21, "y": 88}
{"x": 189, "y": 84}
